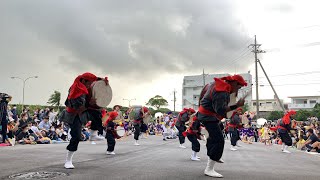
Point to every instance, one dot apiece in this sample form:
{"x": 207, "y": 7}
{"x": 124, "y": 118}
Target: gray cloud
{"x": 123, "y": 37}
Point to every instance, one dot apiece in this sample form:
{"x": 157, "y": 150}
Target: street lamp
{"x": 129, "y": 100}
{"x": 24, "y": 84}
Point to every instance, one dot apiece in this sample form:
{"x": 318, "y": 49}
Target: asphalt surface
{"x": 157, "y": 159}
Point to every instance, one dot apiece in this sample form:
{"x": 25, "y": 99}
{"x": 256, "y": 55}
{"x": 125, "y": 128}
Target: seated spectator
{"x": 23, "y": 119}
{"x": 45, "y": 125}
{"x": 12, "y": 128}
{"x": 316, "y": 145}
{"x": 61, "y": 133}
{"x": 52, "y": 133}
{"x": 34, "y": 128}
{"x": 85, "y": 134}
{"x": 312, "y": 138}
{"x": 23, "y": 136}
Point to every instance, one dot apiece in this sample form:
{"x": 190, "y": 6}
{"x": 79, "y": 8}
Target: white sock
{"x": 69, "y": 156}
{"x": 283, "y": 146}
{"x": 286, "y": 148}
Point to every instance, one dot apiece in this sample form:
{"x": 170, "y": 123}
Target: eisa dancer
{"x": 77, "y": 112}
{"x": 284, "y": 126}
{"x": 111, "y": 132}
{"x": 235, "y": 123}
{"x": 137, "y": 122}
{"x": 193, "y": 133}
{"x": 4, "y": 100}
{"x": 183, "y": 117}
{"x": 213, "y": 108}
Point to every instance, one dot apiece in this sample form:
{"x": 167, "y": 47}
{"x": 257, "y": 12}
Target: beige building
{"x": 192, "y": 86}
{"x": 303, "y": 102}
{"x": 266, "y": 105}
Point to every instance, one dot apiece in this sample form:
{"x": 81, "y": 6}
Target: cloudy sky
{"x": 145, "y": 47}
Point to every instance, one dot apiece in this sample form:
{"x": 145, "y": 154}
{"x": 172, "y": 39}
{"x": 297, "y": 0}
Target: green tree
{"x": 245, "y": 107}
{"x": 302, "y": 115}
{"x": 55, "y": 99}
{"x": 275, "y": 115}
{"x": 157, "y": 102}
{"x": 316, "y": 110}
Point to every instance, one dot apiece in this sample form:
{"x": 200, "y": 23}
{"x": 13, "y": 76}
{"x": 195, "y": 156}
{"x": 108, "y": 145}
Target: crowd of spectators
{"x": 305, "y": 135}
{"x": 43, "y": 127}
{"x": 38, "y": 127}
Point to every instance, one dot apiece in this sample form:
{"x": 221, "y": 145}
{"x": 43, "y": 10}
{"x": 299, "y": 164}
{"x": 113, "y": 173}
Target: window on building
{"x": 313, "y": 101}
{"x": 254, "y": 104}
{"x": 305, "y": 102}
{"x": 184, "y": 91}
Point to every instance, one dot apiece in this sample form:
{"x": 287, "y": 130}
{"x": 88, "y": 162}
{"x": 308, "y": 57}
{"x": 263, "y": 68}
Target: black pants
{"x": 181, "y": 130}
{"x": 234, "y": 134}
{"x": 285, "y": 138}
{"x": 215, "y": 142}
{"x": 143, "y": 128}
{"x": 75, "y": 132}
{"x": 111, "y": 142}
{"x": 4, "y": 124}
{"x": 137, "y": 130}
{"x": 194, "y": 141}
{"x": 96, "y": 120}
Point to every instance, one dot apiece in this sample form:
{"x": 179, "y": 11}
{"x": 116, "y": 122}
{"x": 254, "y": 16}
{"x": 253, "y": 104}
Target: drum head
{"x": 102, "y": 93}
{"x": 120, "y": 131}
{"x": 147, "y": 119}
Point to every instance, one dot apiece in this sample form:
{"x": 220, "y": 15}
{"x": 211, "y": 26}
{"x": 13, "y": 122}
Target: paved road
{"x": 157, "y": 159}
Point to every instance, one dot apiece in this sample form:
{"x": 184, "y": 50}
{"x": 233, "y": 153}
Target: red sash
{"x": 204, "y": 111}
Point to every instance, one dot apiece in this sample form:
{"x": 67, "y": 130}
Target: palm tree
{"x": 54, "y": 99}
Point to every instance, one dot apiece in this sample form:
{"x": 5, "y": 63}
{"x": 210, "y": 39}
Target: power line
{"x": 294, "y": 74}
{"x": 293, "y": 84}
{"x": 235, "y": 56}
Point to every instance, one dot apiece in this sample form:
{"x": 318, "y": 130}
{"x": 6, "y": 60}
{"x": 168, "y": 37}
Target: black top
{"x": 110, "y": 127}
{"x": 313, "y": 138}
{"x": 182, "y": 119}
{"x": 3, "y": 110}
{"x": 216, "y": 102}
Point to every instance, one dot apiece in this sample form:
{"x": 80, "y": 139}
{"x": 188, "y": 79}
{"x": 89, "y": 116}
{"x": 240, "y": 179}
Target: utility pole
{"x": 204, "y": 78}
{"x": 174, "y": 100}
{"x": 256, "y": 51}
{"x": 274, "y": 91}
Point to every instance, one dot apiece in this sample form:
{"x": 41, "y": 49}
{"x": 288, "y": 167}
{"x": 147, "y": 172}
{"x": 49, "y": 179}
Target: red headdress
{"x": 239, "y": 79}
{"x": 145, "y": 109}
{"x": 286, "y": 117}
{"x": 183, "y": 111}
{"x": 192, "y": 110}
{"x": 236, "y": 111}
{"x": 112, "y": 116}
{"x": 77, "y": 89}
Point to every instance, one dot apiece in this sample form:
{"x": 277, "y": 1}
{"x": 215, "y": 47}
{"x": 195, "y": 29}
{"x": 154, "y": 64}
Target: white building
{"x": 266, "y": 105}
{"x": 303, "y": 102}
{"x": 192, "y": 86}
